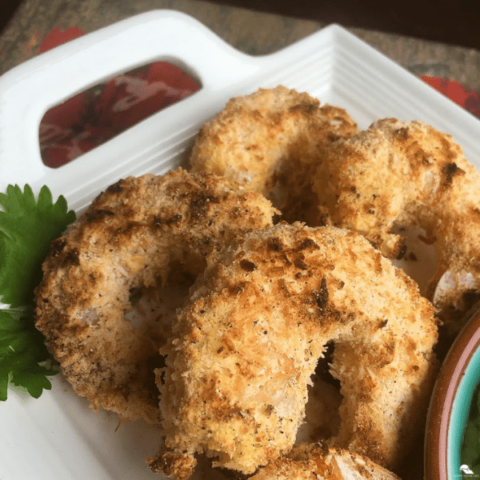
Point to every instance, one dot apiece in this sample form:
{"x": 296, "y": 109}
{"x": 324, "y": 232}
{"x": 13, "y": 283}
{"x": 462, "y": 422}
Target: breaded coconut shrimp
{"x": 139, "y": 233}
{"x": 247, "y": 343}
{"x": 270, "y": 142}
{"x": 316, "y": 462}
{"x": 397, "y": 175}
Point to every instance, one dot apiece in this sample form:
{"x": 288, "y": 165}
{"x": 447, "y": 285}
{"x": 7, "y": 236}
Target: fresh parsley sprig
{"x": 27, "y": 227}
{"x": 21, "y": 350}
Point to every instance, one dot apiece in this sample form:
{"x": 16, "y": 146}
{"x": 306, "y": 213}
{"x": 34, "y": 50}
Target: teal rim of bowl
{"x": 459, "y": 416}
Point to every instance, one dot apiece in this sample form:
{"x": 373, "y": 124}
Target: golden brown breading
{"x": 139, "y": 233}
{"x": 315, "y": 462}
{"x": 398, "y": 174}
{"x": 270, "y": 142}
{"x": 247, "y": 342}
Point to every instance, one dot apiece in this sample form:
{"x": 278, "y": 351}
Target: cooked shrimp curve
{"x": 269, "y": 142}
{"x": 138, "y": 233}
{"x": 248, "y": 340}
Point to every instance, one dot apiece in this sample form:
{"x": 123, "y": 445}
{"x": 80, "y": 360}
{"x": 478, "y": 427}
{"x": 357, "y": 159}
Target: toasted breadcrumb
{"x": 315, "y": 462}
{"x": 258, "y": 319}
{"x": 137, "y": 233}
{"x": 270, "y": 142}
{"x": 399, "y": 174}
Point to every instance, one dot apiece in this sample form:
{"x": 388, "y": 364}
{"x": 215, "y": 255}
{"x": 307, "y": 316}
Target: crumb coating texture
{"x": 247, "y": 342}
{"x": 135, "y": 234}
{"x": 270, "y": 142}
{"x": 316, "y": 462}
{"x": 398, "y": 174}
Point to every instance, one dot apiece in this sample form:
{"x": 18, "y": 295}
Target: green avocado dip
{"x": 470, "y": 453}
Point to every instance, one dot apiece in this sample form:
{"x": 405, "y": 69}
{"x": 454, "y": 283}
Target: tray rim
{"x": 267, "y": 70}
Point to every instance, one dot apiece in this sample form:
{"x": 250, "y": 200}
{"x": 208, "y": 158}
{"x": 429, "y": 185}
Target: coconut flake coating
{"x": 270, "y": 142}
{"x": 138, "y": 233}
{"x": 247, "y": 343}
{"x": 398, "y": 174}
{"x": 316, "y": 462}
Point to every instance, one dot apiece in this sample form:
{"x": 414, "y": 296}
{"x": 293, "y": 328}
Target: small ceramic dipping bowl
{"x": 450, "y": 406}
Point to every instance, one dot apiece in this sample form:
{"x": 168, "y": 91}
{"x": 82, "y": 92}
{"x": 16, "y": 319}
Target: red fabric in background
{"x": 466, "y": 98}
{"x": 98, "y": 114}
{"x": 57, "y": 36}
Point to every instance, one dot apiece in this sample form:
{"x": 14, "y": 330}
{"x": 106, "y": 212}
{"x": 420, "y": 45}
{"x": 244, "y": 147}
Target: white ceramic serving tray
{"x": 57, "y": 437}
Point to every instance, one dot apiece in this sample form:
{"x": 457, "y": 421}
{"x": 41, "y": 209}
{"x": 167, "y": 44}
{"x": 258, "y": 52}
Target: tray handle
{"x": 29, "y": 90}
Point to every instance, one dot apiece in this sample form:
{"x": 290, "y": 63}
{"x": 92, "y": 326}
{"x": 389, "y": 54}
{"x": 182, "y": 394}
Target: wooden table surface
{"x": 251, "y": 32}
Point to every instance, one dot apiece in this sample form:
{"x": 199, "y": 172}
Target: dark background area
{"x": 456, "y": 22}
{"x": 7, "y": 9}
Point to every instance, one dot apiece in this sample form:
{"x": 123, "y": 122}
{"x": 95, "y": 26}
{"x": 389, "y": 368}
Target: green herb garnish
{"x": 27, "y": 227}
{"x": 21, "y": 350}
